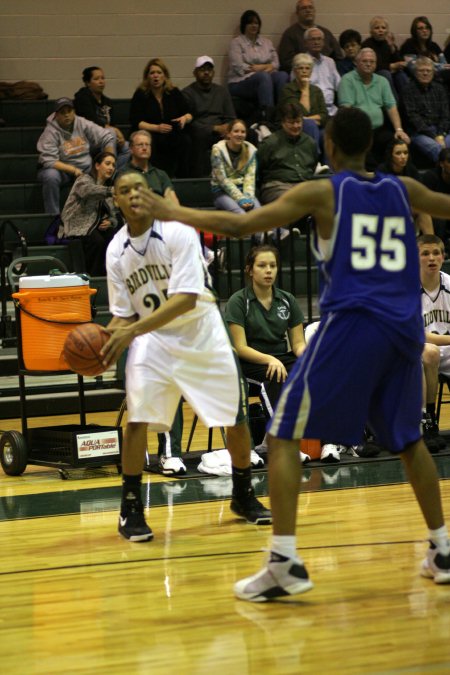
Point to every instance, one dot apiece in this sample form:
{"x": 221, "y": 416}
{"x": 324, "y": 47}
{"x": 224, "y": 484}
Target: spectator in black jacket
{"x": 159, "y": 107}
{"x": 91, "y": 103}
{"x": 397, "y": 161}
{"x": 438, "y": 180}
{"x": 292, "y": 40}
{"x": 212, "y": 110}
{"x": 350, "y": 42}
{"x": 427, "y": 108}
{"x": 389, "y": 62}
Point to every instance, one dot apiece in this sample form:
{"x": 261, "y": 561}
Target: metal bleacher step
{"x": 35, "y": 113}
{"x": 57, "y": 393}
{"x": 20, "y": 140}
{"x": 61, "y": 403}
{"x": 8, "y": 363}
{"x": 26, "y": 196}
{"x": 16, "y": 168}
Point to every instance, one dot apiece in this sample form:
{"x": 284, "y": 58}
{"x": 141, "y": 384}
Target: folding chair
{"x": 443, "y": 379}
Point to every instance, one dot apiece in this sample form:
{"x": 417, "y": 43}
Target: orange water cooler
{"x": 50, "y": 306}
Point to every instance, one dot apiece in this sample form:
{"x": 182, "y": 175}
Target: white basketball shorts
{"x": 197, "y": 363}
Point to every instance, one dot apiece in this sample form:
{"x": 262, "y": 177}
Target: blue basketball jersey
{"x": 371, "y": 263}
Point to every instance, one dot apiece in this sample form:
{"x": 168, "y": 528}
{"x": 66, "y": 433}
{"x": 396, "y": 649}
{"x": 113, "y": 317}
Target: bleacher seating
{"x": 21, "y": 194}
{"x": 21, "y": 204}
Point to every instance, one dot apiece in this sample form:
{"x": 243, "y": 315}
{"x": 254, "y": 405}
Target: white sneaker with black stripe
{"x": 331, "y": 454}
{"x": 436, "y": 566}
{"x": 281, "y": 577}
{"x": 172, "y": 466}
{"x": 255, "y": 459}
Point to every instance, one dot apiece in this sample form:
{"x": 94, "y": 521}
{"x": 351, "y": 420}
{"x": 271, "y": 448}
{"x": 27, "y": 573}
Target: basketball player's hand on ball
{"x": 117, "y": 343}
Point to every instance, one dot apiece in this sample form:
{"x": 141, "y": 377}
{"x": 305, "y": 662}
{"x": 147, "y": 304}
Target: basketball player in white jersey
{"x": 164, "y": 311}
{"x": 436, "y": 316}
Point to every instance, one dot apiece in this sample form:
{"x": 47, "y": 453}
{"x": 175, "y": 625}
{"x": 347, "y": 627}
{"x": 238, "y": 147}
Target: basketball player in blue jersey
{"x": 164, "y": 311}
{"x": 364, "y": 362}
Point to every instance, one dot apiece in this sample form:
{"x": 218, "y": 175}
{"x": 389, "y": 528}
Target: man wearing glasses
{"x": 427, "y": 108}
{"x": 286, "y": 157}
{"x": 141, "y": 150}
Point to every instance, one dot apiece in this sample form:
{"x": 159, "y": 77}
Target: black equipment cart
{"x": 69, "y": 445}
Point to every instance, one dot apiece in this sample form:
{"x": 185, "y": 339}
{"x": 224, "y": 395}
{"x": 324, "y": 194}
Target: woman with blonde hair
{"x": 159, "y": 107}
{"x": 233, "y": 176}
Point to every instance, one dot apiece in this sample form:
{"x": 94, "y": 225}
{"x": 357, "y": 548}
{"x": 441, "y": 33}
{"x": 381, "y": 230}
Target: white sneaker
{"x": 172, "y": 466}
{"x": 331, "y": 454}
{"x": 321, "y": 168}
{"x": 280, "y": 577}
{"x": 255, "y": 459}
{"x": 436, "y": 566}
{"x": 304, "y": 457}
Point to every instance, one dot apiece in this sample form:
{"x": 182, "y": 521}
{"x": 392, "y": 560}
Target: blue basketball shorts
{"x": 352, "y": 374}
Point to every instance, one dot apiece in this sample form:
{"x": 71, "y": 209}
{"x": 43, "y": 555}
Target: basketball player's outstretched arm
{"x": 424, "y": 200}
{"x": 304, "y": 199}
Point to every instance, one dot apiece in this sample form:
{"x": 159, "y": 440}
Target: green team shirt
{"x": 265, "y": 329}
{"x": 157, "y": 179}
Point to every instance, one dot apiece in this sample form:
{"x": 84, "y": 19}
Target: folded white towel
{"x": 217, "y": 463}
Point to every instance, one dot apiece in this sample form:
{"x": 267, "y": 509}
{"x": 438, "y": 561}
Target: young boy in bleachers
{"x": 436, "y": 316}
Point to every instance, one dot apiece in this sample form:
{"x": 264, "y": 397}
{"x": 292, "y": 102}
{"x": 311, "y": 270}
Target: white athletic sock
{"x": 440, "y": 538}
{"x": 284, "y": 545}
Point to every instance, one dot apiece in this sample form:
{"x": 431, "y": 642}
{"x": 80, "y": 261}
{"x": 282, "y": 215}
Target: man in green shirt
{"x": 141, "y": 150}
{"x": 287, "y": 157}
{"x": 364, "y": 89}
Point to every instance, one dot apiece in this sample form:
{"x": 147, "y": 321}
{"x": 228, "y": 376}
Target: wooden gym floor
{"x": 77, "y": 598}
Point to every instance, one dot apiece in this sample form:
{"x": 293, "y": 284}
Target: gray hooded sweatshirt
{"x": 72, "y": 147}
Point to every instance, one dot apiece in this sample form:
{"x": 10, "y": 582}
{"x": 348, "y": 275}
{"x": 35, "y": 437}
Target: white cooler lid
{"x": 53, "y": 281}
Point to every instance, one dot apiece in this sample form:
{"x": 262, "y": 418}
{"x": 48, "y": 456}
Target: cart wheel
{"x": 13, "y": 453}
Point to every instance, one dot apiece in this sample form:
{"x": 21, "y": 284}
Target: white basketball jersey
{"x": 436, "y": 307}
{"x": 144, "y": 271}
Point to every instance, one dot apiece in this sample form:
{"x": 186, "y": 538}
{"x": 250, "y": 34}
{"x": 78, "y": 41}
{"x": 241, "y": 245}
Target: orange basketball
{"x": 82, "y": 349}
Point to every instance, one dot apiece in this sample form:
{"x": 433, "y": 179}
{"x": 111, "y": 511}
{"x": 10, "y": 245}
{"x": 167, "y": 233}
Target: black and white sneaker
{"x": 436, "y": 566}
{"x": 172, "y": 466}
{"x": 251, "y": 509}
{"x": 331, "y": 453}
{"x": 281, "y": 577}
{"x": 132, "y": 524}
{"x": 430, "y": 430}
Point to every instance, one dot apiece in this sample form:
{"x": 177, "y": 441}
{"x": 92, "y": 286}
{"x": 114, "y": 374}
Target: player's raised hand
{"x": 159, "y": 207}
